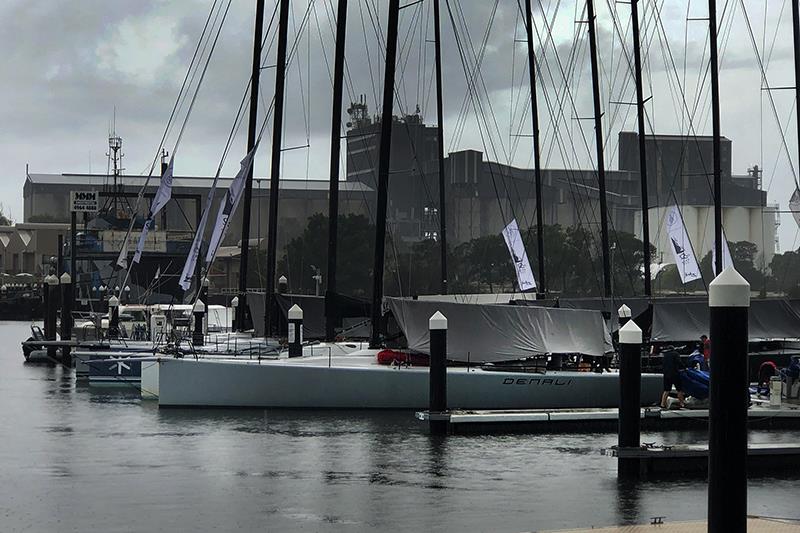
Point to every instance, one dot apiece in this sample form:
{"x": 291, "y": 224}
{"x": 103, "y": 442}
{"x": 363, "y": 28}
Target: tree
{"x": 785, "y": 270}
{"x": 354, "y": 259}
{"x": 5, "y": 220}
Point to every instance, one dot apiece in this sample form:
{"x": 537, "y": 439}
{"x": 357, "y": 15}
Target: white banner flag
{"x": 163, "y": 194}
{"x": 137, "y": 256}
{"x": 228, "y": 206}
{"x": 794, "y": 206}
{"x": 681, "y": 247}
{"x": 516, "y": 248}
{"x": 122, "y": 259}
{"x": 191, "y": 260}
{"x": 727, "y": 260}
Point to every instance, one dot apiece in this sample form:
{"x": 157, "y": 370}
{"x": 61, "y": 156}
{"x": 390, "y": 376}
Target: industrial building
{"x": 482, "y": 196}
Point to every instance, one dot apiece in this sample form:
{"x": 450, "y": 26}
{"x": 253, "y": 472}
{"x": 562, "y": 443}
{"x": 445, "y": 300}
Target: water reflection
{"x": 88, "y": 450}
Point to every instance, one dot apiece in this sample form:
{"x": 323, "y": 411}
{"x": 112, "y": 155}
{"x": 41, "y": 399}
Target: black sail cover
{"x": 491, "y": 333}
{"x": 771, "y": 319}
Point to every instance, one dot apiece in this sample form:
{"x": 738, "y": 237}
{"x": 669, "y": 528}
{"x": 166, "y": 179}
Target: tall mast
{"x": 637, "y": 63}
{"x": 537, "y": 163}
{"x": 248, "y": 183}
{"x": 333, "y": 201}
{"x": 598, "y": 134}
{"x": 275, "y": 172}
{"x": 383, "y": 170}
{"x": 712, "y": 27}
{"x": 440, "y": 141}
{"x": 796, "y": 34}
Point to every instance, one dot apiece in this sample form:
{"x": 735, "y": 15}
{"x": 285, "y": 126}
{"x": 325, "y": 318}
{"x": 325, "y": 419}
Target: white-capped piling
{"x": 199, "y": 311}
{"x": 295, "y": 317}
{"x": 630, "y": 382}
{"x": 51, "y": 298}
{"x": 624, "y": 315}
{"x": 113, "y": 314}
{"x": 66, "y": 317}
{"x": 729, "y": 303}
{"x": 437, "y": 400}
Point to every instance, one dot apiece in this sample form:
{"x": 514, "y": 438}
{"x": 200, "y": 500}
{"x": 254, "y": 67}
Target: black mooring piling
{"x": 630, "y": 377}
{"x": 295, "y": 317}
{"x": 729, "y": 303}
{"x": 437, "y": 401}
{"x": 199, "y": 312}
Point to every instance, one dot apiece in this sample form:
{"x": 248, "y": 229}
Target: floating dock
{"x": 754, "y": 525}
{"x": 565, "y": 420}
{"x": 653, "y": 461}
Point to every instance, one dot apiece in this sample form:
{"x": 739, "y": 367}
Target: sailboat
{"x": 350, "y": 374}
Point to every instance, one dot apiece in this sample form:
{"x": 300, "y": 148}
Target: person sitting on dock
{"x": 705, "y": 347}
{"x": 671, "y": 367}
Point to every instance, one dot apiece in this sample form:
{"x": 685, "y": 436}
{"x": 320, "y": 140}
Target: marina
{"x": 569, "y": 300}
{"x": 209, "y": 468}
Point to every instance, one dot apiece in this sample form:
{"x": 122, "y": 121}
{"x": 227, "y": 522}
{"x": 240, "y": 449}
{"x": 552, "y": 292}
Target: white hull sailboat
{"x": 358, "y": 382}
{"x": 330, "y": 377}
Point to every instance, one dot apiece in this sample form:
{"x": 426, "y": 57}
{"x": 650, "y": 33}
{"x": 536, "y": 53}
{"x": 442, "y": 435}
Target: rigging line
{"x": 769, "y": 94}
{"x": 774, "y": 37}
{"x": 305, "y": 110}
{"x": 556, "y": 118}
{"x": 471, "y": 95}
{"x": 690, "y": 114}
{"x": 412, "y": 144}
{"x": 177, "y": 142}
{"x": 464, "y": 109}
{"x": 407, "y": 40}
{"x": 183, "y": 87}
{"x": 200, "y": 81}
{"x": 481, "y": 114}
{"x": 483, "y": 87}
{"x": 240, "y": 112}
{"x": 497, "y": 156}
{"x": 785, "y": 128}
{"x": 622, "y": 38}
{"x": 369, "y": 55}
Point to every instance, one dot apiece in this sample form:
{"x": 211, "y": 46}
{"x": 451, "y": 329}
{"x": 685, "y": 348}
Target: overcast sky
{"x": 68, "y": 64}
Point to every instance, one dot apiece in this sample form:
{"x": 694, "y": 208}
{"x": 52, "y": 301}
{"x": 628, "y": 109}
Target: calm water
{"x": 75, "y": 458}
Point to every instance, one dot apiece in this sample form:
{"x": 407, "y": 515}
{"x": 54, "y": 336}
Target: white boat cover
{"x": 490, "y": 333}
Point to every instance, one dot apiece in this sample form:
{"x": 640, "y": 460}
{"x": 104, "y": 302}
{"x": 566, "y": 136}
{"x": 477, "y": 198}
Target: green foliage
{"x": 4, "y": 219}
{"x": 785, "y": 276}
{"x": 354, "y": 262}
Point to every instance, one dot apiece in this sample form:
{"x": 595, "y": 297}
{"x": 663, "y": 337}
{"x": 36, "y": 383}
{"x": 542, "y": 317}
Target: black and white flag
{"x": 681, "y": 246}
{"x": 163, "y": 195}
{"x": 228, "y": 206}
{"x": 516, "y": 248}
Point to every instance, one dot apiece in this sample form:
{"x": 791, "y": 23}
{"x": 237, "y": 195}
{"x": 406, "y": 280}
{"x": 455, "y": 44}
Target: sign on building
{"x": 84, "y": 201}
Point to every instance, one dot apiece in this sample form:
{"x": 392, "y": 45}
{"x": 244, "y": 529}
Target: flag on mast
{"x": 794, "y": 206}
{"x": 163, "y": 195}
{"x": 194, "y": 252}
{"x": 228, "y": 206}
{"x": 516, "y": 248}
{"x": 122, "y": 259}
{"x": 681, "y": 246}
